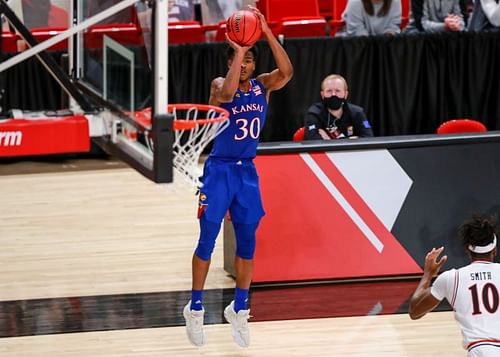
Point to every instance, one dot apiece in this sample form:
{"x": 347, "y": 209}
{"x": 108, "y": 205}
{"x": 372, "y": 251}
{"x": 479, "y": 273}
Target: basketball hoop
{"x": 195, "y": 126}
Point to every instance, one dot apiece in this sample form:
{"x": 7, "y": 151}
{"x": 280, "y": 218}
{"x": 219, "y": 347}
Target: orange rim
{"x": 144, "y": 116}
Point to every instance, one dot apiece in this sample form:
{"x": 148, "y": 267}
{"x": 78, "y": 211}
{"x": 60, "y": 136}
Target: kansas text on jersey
{"x": 247, "y": 113}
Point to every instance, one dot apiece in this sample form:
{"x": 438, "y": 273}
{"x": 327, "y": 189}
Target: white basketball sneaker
{"x": 239, "y": 324}
{"x": 194, "y": 325}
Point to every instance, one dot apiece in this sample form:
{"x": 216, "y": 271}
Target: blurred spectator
{"x": 42, "y": 13}
{"x": 372, "y": 17}
{"x": 214, "y": 11}
{"x": 466, "y": 8}
{"x": 485, "y": 16}
{"x": 334, "y": 117}
{"x": 417, "y": 12}
{"x": 94, "y": 7}
{"x": 39, "y": 13}
{"x": 180, "y": 10}
{"x": 442, "y": 15}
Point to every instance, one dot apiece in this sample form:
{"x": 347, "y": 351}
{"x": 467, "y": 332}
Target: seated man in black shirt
{"x": 334, "y": 117}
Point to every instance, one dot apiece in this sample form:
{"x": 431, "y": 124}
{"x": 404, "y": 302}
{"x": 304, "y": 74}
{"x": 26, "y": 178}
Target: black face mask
{"x": 333, "y": 102}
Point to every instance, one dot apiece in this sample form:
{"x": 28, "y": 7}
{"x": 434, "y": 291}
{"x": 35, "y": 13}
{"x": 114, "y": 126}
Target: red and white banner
{"x": 27, "y": 137}
{"x": 321, "y": 223}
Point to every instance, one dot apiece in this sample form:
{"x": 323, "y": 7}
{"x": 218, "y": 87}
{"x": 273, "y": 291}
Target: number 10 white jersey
{"x": 474, "y": 293}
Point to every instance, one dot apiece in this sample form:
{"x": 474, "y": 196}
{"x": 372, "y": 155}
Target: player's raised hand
{"x": 433, "y": 262}
{"x": 263, "y": 22}
{"x": 236, "y": 47}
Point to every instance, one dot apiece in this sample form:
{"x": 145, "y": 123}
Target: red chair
{"x": 299, "y": 134}
{"x": 456, "y": 126}
{"x": 278, "y": 9}
{"x": 185, "y": 32}
{"x": 325, "y": 8}
{"x": 262, "y": 6}
{"x": 285, "y": 16}
{"x": 220, "y": 34}
{"x": 336, "y": 23}
{"x": 302, "y": 26}
{"x": 125, "y": 34}
{"x": 405, "y": 13}
{"x": 42, "y": 34}
{"x": 9, "y": 42}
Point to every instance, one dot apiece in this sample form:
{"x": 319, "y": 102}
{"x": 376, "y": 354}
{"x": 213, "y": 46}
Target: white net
{"x": 195, "y": 126}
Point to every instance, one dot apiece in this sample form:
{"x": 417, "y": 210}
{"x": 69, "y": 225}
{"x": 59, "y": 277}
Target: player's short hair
{"x": 480, "y": 230}
{"x": 334, "y": 76}
{"x": 230, "y": 52}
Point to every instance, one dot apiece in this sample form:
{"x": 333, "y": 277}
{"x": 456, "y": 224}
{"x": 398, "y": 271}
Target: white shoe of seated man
{"x": 239, "y": 324}
{"x": 194, "y": 325}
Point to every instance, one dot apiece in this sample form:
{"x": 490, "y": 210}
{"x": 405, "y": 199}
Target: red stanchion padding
{"x": 23, "y": 137}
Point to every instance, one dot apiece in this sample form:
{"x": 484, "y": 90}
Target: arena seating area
{"x": 290, "y": 18}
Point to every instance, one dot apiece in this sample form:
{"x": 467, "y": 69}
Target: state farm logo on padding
{"x": 11, "y": 138}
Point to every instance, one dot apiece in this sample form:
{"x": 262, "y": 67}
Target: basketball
{"x": 243, "y": 27}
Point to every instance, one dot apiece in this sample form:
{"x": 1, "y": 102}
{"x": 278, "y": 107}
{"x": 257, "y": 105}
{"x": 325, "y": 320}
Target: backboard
{"x": 115, "y": 62}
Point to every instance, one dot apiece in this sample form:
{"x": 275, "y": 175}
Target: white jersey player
{"x": 473, "y": 291}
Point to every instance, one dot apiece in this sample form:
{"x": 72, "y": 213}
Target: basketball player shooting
{"x": 230, "y": 180}
{"x": 473, "y": 291}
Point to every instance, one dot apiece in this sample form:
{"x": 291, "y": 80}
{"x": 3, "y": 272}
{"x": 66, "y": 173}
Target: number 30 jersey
{"x": 474, "y": 293}
{"x": 247, "y": 113}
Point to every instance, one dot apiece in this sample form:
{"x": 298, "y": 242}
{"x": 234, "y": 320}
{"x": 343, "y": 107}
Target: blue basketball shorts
{"x": 230, "y": 185}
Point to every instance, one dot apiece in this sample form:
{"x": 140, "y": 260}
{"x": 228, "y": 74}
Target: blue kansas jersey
{"x": 247, "y": 113}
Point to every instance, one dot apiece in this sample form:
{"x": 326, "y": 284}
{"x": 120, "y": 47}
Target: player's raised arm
{"x": 422, "y": 300}
{"x": 222, "y": 89}
{"x": 281, "y": 75}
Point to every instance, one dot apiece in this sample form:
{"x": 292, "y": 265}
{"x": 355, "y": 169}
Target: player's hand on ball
{"x": 263, "y": 22}
{"x": 237, "y": 47}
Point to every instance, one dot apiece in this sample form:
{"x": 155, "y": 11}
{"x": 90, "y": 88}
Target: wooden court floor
{"x": 92, "y": 234}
